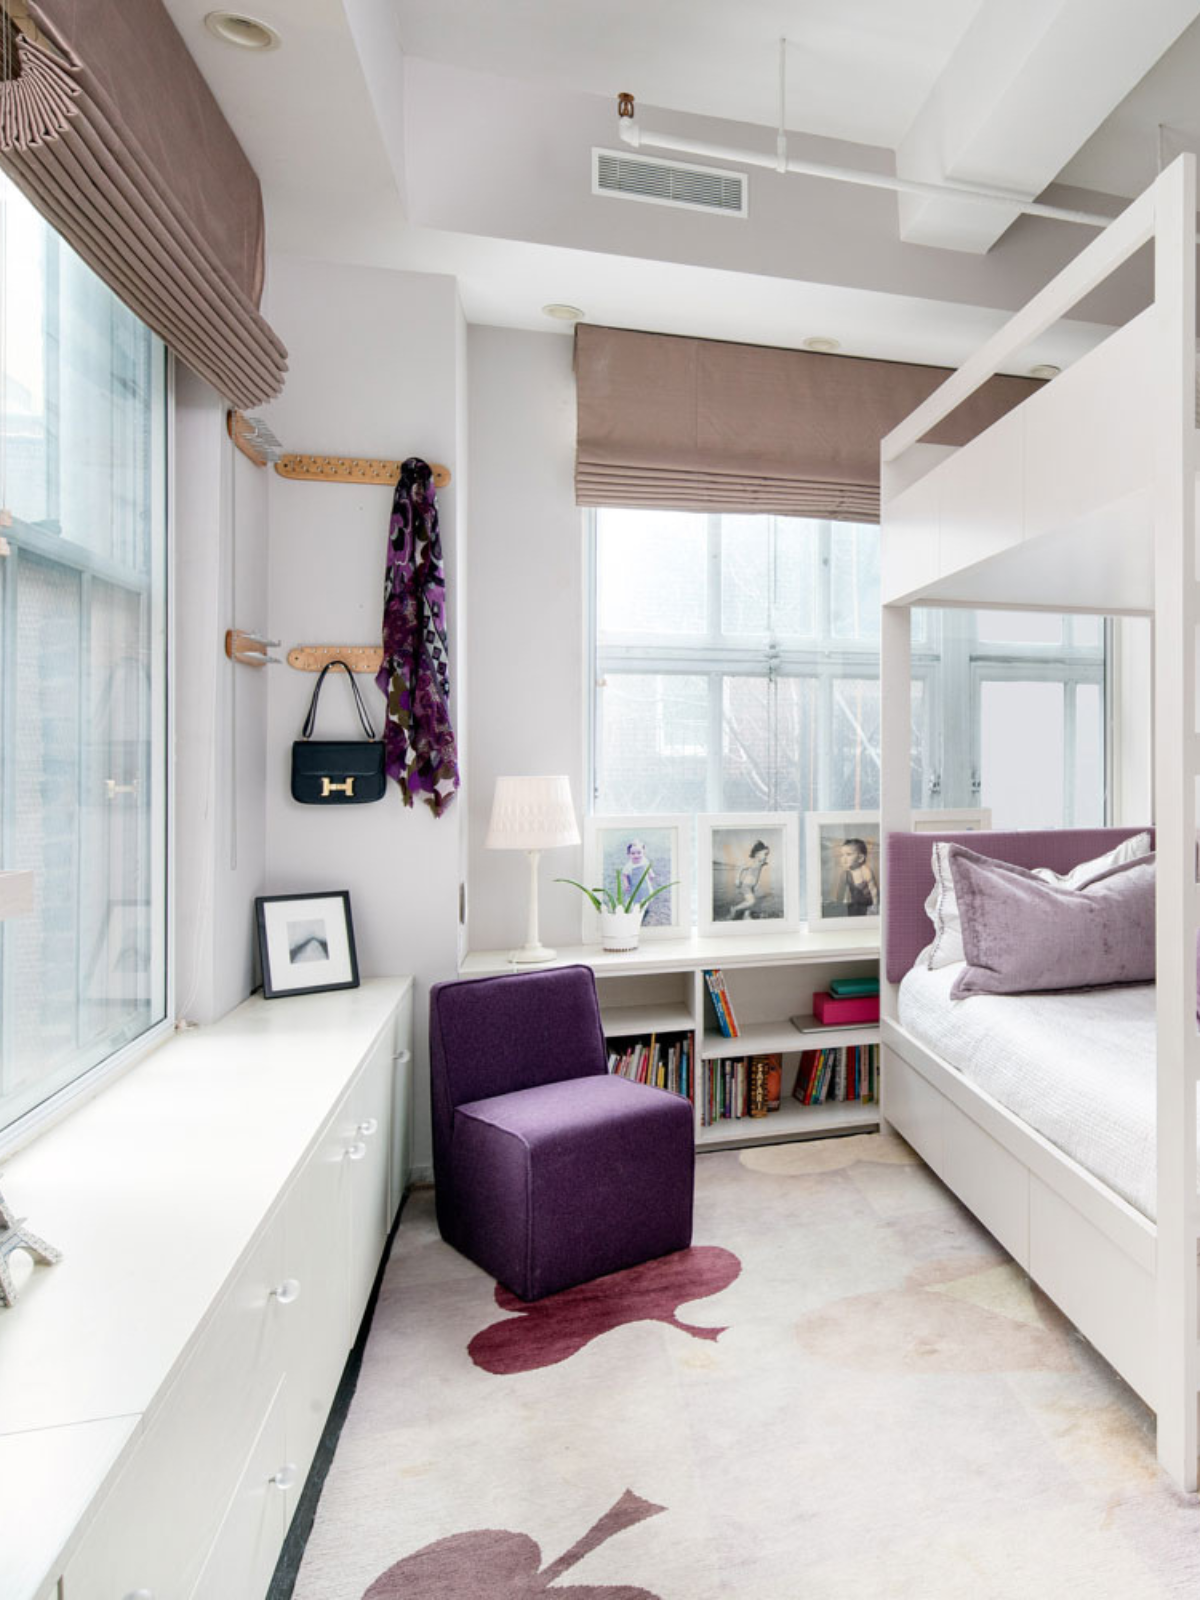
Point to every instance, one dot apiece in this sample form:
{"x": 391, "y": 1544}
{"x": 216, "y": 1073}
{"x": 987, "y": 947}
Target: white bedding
{"x": 1080, "y": 1068}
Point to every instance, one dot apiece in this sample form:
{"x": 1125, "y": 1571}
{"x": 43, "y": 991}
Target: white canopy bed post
{"x": 1176, "y": 615}
{"x": 1081, "y": 499}
{"x": 895, "y": 780}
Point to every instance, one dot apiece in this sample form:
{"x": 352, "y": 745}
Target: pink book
{"x": 834, "y": 1012}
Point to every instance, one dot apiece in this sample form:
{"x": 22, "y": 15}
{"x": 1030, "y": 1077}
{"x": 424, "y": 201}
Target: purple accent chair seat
{"x": 549, "y": 1171}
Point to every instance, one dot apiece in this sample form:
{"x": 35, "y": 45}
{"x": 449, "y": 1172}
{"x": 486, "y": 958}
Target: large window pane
{"x": 651, "y": 573}
{"x": 767, "y": 698}
{"x": 1021, "y": 753}
{"x": 654, "y": 743}
{"x": 82, "y": 667}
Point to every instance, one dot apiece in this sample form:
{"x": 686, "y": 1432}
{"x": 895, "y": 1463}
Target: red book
{"x": 834, "y": 1012}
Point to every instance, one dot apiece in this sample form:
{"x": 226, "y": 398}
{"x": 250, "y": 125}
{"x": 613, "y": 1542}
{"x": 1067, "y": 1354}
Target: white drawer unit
{"x": 242, "y": 1293}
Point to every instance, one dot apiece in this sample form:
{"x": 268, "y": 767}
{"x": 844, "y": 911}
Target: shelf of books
{"x": 736, "y": 1026}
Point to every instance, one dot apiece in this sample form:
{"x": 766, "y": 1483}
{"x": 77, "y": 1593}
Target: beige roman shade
{"x": 108, "y": 127}
{"x": 700, "y": 425}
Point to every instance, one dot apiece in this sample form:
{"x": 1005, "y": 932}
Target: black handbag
{"x": 337, "y": 772}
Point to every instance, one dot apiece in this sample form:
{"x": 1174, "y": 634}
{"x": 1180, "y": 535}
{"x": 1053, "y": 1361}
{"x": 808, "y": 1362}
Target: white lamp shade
{"x": 16, "y": 894}
{"x": 532, "y": 814}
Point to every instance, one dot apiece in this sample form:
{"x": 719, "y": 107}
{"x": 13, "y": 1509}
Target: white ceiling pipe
{"x": 632, "y": 135}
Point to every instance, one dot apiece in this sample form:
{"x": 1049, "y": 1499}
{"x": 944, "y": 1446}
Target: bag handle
{"x": 310, "y": 721}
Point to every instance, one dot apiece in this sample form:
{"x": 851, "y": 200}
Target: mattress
{"x": 1080, "y": 1068}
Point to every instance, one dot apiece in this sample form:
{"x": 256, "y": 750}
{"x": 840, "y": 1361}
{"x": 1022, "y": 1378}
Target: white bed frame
{"x": 1081, "y": 499}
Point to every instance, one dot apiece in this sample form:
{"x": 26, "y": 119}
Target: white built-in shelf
{"x": 621, "y": 1020}
{"x": 674, "y": 955}
{"x": 757, "y": 1038}
{"x": 791, "y": 1121}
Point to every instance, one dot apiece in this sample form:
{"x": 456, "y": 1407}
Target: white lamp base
{"x": 531, "y": 955}
{"x": 533, "y": 952}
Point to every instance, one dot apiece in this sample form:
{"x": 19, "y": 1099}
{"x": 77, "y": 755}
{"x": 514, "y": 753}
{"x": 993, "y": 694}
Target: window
{"x": 82, "y": 665}
{"x": 737, "y": 669}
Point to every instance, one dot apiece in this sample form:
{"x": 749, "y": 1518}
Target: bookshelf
{"x": 660, "y": 989}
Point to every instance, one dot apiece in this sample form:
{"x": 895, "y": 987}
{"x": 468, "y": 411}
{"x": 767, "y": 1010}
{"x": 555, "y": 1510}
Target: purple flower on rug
{"x": 551, "y": 1330}
{"x": 491, "y": 1564}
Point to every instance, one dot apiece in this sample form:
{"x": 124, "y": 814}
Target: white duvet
{"x": 1080, "y": 1068}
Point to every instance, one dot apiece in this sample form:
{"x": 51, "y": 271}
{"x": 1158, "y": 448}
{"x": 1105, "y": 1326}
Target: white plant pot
{"x": 619, "y": 929}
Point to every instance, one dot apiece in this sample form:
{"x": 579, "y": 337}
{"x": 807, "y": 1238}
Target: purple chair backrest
{"x": 908, "y": 874}
{"x": 492, "y": 1036}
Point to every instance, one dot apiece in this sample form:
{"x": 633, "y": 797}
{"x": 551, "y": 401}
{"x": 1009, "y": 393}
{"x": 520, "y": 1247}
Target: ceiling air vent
{"x": 669, "y": 183}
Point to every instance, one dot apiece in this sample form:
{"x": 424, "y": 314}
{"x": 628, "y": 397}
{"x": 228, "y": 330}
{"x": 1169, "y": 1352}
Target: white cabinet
{"x": 660, "y": 989}
{"x": 295, "y": 1101}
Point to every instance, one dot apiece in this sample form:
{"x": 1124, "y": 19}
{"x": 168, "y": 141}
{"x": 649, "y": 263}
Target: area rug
{"x": 844, "y": 1391}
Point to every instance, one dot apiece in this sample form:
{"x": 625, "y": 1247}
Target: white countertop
{"x": 724, "y": 950}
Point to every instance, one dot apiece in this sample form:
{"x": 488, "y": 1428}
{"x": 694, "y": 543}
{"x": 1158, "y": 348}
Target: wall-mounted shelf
{"x": 358, "y": 657}
{"x": 351, "y": 469}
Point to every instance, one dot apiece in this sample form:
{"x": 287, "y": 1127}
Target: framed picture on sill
{"x": 306, "y": 943}
{"x": 618, "y": 852}
{"x": 952, "y": 821}
{"x": 749, "y": 872}
{"x": 842, "y": 866}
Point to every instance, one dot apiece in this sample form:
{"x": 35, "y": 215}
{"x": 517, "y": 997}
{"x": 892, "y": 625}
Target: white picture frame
{"x": 839, "y": 888}
{"x": 977, "y": 821}
{"x": 628, "y": 843}
{"x": 748, "y": 872}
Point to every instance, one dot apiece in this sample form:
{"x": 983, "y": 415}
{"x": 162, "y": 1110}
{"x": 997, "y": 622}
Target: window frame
{"x": 950, "y": 698}
{"x": 26, "y": 1126}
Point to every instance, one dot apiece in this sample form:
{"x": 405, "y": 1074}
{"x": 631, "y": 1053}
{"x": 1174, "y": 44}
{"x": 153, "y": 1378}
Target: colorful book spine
{"x": 723, "y": 1010}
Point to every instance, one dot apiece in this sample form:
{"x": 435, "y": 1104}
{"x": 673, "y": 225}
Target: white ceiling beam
{"x": 1030, "y": 81}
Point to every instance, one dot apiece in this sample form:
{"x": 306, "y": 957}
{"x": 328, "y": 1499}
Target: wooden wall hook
{"x": 358, "y": 657}
{"x": 351, "y": 469}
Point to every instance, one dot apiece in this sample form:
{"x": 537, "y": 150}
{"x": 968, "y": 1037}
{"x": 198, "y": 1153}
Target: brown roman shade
{"x": 108, "y": 127}
{"x": 700, "y": 425}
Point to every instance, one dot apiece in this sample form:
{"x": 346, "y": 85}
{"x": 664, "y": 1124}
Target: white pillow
{"x": 942, "y": 905}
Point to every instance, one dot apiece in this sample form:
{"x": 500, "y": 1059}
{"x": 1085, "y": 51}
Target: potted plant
{"x": 620, "y": 913}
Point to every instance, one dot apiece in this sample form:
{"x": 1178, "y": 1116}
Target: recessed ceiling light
{"x": 824, "y": 344}
{"x": 562, "y": 313}
{"x": 1044, "y": 370}
{"x": 247, "y": 33}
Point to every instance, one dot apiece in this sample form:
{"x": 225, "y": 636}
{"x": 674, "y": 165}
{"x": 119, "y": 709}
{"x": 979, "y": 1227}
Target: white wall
{"x": 526, "y": 620}
{"x": 374, "y": 371}
{"x": 220, "y": 579}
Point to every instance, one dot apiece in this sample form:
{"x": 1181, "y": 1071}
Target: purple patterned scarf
{"x": 415, "y": 674}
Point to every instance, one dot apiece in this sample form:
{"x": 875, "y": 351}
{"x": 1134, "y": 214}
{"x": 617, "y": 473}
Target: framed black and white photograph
{"x": 952, "y": 821}
{"x": 749, "y": 872}
{"x": 842, "y": 866}
{"x": 306, "y": 943}
{"x": 640, "y": 856}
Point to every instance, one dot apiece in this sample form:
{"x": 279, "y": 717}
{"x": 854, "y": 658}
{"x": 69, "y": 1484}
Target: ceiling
{"x": 455, "y": 136}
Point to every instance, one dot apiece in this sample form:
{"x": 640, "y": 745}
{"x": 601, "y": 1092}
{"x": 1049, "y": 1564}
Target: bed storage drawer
{"x": 989, "y": 1181}
{"x": 914, "y": 1107}
{"x": 1100, "y": 1288}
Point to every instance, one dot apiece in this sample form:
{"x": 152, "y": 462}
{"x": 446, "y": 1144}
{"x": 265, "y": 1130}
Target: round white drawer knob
{"x": 356, "y": 1151}
{"x": 140, "y": 1594}
{"x": 287, "y": 1291}
{"x": 367, "y": 1128}
{"x": 402, "y": 1056}
{"x": 286, "y": 1477}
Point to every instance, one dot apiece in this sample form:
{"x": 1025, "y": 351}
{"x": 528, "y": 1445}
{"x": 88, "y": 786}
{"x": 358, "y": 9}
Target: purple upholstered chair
{"x": 549, "y": 1170}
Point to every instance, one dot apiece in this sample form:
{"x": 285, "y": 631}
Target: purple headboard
{"x": 908, "y": 874}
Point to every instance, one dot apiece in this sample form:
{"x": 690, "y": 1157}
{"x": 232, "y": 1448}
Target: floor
{"x": 844, "y": 1391}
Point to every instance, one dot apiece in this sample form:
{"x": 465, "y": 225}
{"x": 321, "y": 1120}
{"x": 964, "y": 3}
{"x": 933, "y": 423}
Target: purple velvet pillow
{"x": 1021, "y": 934}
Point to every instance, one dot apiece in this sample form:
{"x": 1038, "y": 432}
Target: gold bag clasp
{"x": 328, "y": 787}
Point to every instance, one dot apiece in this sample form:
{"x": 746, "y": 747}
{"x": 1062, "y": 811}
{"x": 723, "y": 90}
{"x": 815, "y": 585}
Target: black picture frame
{"x": 313, "y": 946}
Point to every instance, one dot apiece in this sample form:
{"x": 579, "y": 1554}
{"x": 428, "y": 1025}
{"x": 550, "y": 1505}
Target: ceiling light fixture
{"x": 561, "y": 312}
{"x": 1044, "y": 370}
{"x": 247, "y": 33}
{"x": 823, "y": 344}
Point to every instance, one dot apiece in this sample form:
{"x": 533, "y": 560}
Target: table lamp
{"x": 532, "y": 814}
